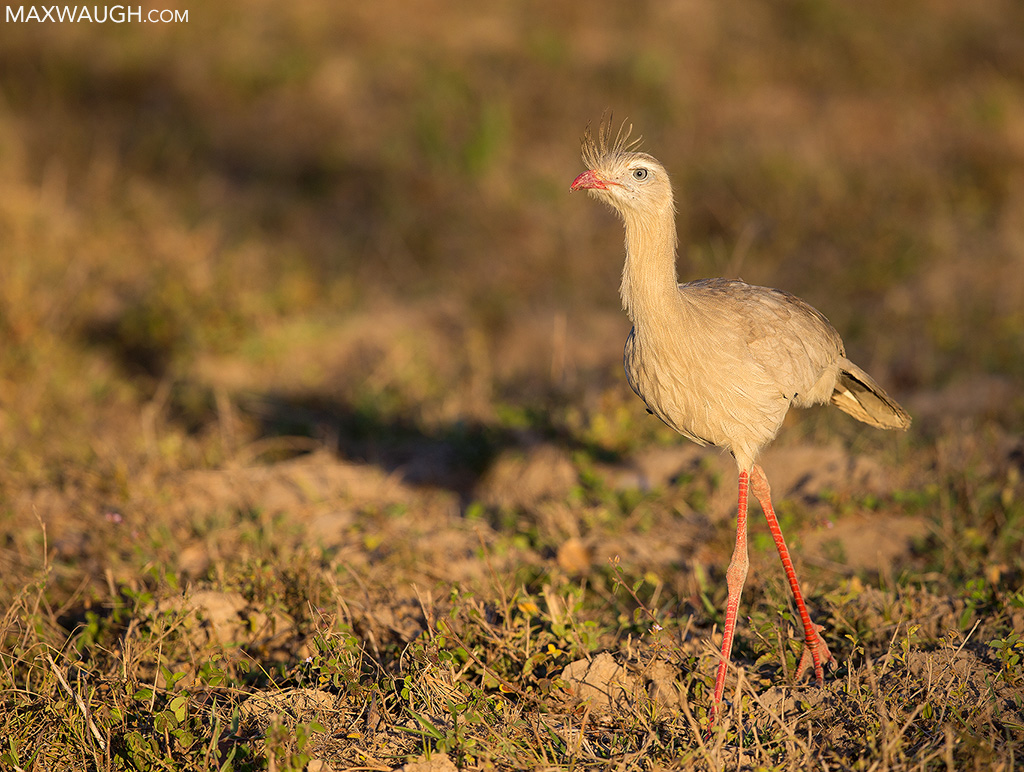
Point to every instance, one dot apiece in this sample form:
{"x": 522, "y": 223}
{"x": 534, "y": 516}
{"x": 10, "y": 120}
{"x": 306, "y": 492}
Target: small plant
{"x": 288, "y": 747}
{"x": 1010, "y": 651}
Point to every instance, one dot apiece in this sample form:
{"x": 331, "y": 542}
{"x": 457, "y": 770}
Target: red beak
{"x": 587, "y": 180}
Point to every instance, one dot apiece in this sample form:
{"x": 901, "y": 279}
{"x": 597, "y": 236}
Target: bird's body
{"x": 719, "y": 360}
{"x": 763, "y": 349}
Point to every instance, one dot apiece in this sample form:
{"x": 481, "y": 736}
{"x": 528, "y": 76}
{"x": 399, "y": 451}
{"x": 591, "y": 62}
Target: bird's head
{"x": 631, "y": 182}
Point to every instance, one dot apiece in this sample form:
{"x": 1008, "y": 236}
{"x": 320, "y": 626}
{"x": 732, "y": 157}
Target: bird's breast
{"x": 705, "y": 389}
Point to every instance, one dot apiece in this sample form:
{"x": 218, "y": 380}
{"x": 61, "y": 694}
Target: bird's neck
{"x": 649, "y": 283}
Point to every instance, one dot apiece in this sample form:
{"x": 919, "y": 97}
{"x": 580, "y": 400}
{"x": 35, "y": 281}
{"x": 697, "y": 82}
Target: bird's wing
{"x": 792, "y": 342}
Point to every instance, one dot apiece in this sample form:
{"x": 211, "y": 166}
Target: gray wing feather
{"x": 791, "y": 341}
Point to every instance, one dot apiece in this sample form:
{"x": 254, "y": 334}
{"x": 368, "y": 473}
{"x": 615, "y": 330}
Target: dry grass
{"x": 316, "y": 447}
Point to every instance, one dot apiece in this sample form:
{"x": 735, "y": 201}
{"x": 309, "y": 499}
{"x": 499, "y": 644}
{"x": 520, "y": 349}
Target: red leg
{"x": 814, "y": 644}
{"x": 735, "y": 576}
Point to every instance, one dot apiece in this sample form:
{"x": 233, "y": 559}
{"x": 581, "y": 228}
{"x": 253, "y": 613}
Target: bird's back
{"x": 789, "y": 341}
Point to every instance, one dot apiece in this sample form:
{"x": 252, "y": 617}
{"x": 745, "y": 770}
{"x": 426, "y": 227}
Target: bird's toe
{"x": 807, "y": 657}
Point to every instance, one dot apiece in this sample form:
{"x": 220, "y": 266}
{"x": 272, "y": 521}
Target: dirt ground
{"x": 433, "y": 580}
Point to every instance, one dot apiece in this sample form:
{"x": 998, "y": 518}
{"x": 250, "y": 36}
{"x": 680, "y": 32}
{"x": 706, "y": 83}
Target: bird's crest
{"x": 604, "y": 147}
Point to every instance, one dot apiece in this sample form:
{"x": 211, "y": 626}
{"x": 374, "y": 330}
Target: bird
{"x": 721, "y": 361}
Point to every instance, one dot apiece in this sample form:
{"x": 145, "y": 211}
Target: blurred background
{"x": 298, "y": 318}
{"x": 351, "y": 222}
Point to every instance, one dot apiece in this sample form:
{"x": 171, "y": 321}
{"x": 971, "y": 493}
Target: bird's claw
{"x": 807, "y": 657}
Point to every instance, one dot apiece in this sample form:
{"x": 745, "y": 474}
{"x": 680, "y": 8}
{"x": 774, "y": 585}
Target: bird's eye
{"x": 640, "y": 174}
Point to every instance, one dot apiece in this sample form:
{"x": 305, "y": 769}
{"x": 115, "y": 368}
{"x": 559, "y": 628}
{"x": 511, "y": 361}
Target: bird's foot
{"x": 807, "y": 657}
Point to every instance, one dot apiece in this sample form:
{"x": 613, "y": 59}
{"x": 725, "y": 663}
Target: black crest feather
{"x": 608, "y": 143}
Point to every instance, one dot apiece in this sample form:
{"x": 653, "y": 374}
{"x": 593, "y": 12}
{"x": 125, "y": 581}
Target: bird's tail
{"x": 857, "y": 393}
